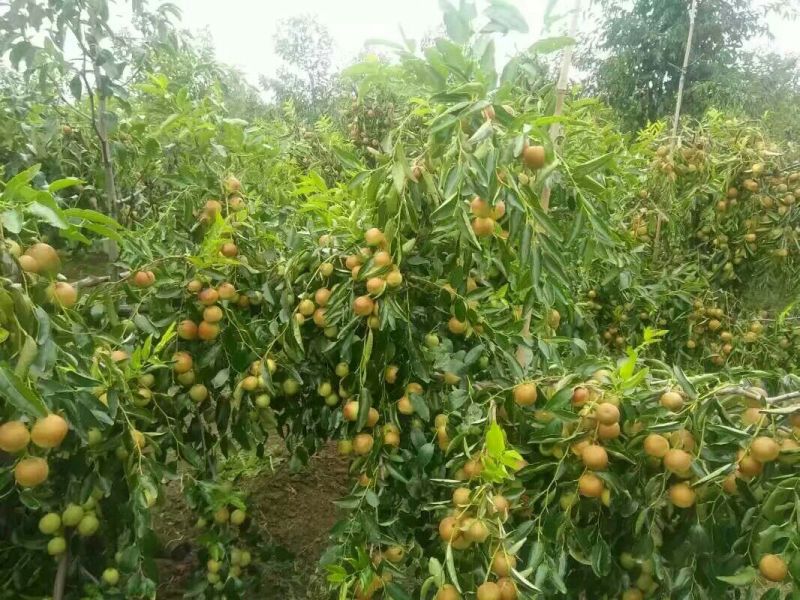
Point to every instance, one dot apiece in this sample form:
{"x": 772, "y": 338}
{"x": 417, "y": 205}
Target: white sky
{"x": 242, "y": 30}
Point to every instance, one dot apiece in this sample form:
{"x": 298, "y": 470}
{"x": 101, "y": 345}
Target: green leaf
{"x": 474, "y": 355}
{"x": 50, "y": 215}
{"x": 420, "y": 406}
{"x": 91, "y": 215}
{"x": 601, "y": 557}
{"x": 592, "y": 165}
{"x": 495, "y": 442}
{"x": 21, "y": 179}
{"x": 396, "y": 592}
{"x": 371, "y": 498}
{"x": 684, "y": 382}
{"x": 483, "y": 132}
{"x": 552, "y": 44}
{"x": 505, "y": 17}
{"x": 60, "y": 184}
{"x": 425, "y": 454}
{"x": 103, "y": 231}
{"x": 348, "y": 159}
{"x": 458, "y": 27}
{"x": 398, "y": 177}
{"x": 11, "y": 220}
{"x": 364, "y": 404}
{"x": 143, "y": 323}
{"x": 169, "y": 334}
{"x": 434, "y": 568}
{"x": 76, "y": 87}
{"x": 627, "y": 366}
{"x": 13, "y": 389}
{"x": 742, "y": 577}
{"x": 298, "y": 336}
{"x": 30, "y": 348}
{"x": 451, "y": 567}
{"x": 221, "y": 378}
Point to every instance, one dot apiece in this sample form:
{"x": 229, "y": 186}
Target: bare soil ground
{"x": 294, "y": 509}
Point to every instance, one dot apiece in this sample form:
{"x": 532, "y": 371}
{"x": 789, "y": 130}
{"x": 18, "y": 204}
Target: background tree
{"x": 763, "y": 86}
{"x": 640, "y": 50}
{"x": 305, "y": 46}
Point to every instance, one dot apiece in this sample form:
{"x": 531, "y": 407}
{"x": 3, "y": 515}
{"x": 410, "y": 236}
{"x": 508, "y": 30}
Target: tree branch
{"x": 61, "y": 577}
{"x": 784, "y": 398}
{"x": 91, "y": 281}
{"x": 753, "y": 395}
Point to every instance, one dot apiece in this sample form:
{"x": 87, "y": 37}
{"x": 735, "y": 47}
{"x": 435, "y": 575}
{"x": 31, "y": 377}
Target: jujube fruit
{"x": 773, "y": 567}
{"x": 678, "y": 461}
{"x": 606, "y": 413}
{"x": 30, "y": 472}
{"x": 590, "y": 485}
{"x": 49, "y": 431}
{"x": 363, "y": 306}
{"x": 503, "y": 563}
{"x": 656, "y": 445}
{"x": 534, "y": 157}
{"x": 14, "y": 436}
{"x": 63, "y": 294}
{"x": 46, "y": 257}
{"x": 764, "y": 449}
{"x": 182, "y": 362}
{"x": 525, "y": 394}
{"x": 595, "y": 457}
{"x": 682, "y": 495}
{"x": 488, "y": 591}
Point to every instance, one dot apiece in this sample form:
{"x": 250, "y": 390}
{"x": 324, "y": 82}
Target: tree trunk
{"x": 675, "y": 142}
{"x": 109, "y": 246}
{"x": 105, "y": 147}
{"x": 682, "y": 81}
{"x": 562, "y": 87}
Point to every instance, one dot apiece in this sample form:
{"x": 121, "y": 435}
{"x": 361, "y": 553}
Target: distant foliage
{"x": 637, "y": 56}
{"x": 305, "y": 46}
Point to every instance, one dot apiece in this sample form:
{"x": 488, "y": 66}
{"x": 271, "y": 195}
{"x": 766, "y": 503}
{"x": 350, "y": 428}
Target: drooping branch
{"x": 758, "y": 394}
{"x": 562, "y": 87}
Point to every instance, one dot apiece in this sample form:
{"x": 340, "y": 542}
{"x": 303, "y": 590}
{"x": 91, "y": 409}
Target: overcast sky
{"x": 242, "y": 30}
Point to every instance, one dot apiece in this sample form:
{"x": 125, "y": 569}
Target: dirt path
{"x": 294, "y": 509}
{"x": 297, "y": 511}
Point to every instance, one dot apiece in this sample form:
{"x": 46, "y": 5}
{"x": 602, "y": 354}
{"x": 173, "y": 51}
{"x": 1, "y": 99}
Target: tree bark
{"x": 562, "y": 87}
